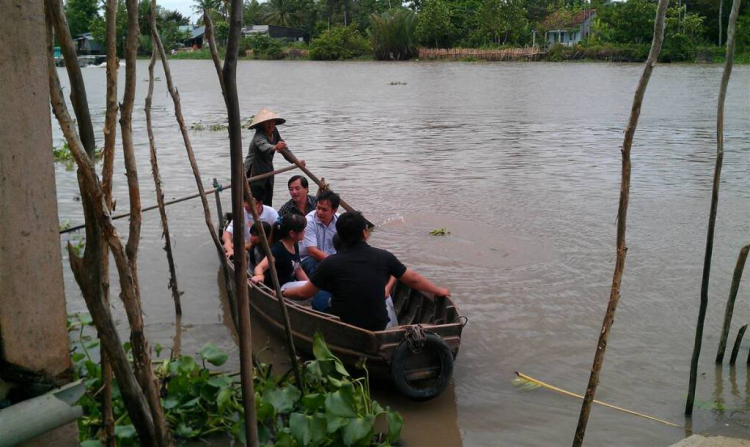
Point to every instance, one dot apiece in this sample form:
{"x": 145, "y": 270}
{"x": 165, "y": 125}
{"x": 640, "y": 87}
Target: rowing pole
{"x": 193, "y": 196}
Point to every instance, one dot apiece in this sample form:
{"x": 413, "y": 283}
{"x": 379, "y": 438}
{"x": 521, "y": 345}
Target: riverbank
{"x": 558, "y": 53}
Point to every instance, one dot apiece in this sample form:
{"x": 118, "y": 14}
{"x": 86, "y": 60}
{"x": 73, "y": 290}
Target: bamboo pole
{"x": 133, "y": 397}
{"x": 714, "y": 206}
{"x": 191, "y": 155}
{"x": 132, "y": 298}
{"x": 108, "y": 162}
{"x": 622, "y": 215}
{"x": 737, "y": 342}
{"x": 209, "y": 24}
{"x": 192, "y": 196}
{"x": 738, "y": 269}
{"x": 155, "y": 171}
{"x": 238, "y": 181}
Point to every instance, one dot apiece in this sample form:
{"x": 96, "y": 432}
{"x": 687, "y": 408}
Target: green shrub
{"x": 263, "y": 46}
{"x": 393, "y": 35}
{"x": 339, "y": 43}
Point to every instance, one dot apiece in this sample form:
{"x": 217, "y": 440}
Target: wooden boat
{"x": 420, "y": 372}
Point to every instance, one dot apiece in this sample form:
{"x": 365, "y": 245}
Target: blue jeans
{"x": 321, "y": 301}
{"x": 309, "y": 265}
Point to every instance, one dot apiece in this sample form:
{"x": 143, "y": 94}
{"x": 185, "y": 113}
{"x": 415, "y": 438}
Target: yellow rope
{"x": 568, "y": 393}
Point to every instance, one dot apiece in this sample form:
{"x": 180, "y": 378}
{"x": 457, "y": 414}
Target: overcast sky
{"x": 185, "y": 7}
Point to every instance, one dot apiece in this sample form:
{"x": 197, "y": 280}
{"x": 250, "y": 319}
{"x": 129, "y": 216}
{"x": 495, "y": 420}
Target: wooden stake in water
{"x": 737, "y": 342}
{"x": 714, "y": 206}
{"x": 622, "y": 215}
{"x": 730, "y": 302}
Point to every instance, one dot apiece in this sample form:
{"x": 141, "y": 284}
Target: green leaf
{"x": 92, "y": 344}
{"x": 284, "y": 438}
{"x": 171, "y": 402}
{"x": 395, "y": 424}
{"x": 77, "y": 357}
{"x": 191, "y": 403}
{"x": 300, "y": 427}
{"x": 313, "y": 401}
{"x": 333, "y": 423}
{"x": 213, "y": 355}
{"x": 184, "y": 430}
{"x": 219, "y": 381}
{"x": 127, "y": 346}
{"x": 224, "y": 398}
{"x": 282, "y": 399}
{"x": 320, "y": 349}
{"x": 125, "y": 431}
{"x": 85, "y": 318}
{"x": 91, "y": 443}
{"x": 158, "y": 349}
{"x": 341, "y": 403}
{"x": 263, "y": 410}
{"x": 377, "y": 409}
{"x": 183, "y": 364}
{"x": 358, "y": 429}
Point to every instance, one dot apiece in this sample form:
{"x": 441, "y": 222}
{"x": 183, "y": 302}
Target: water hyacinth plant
{"x": 329, "y": 408}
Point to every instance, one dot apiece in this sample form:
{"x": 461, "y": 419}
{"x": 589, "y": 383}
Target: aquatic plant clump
{"x": 329, "y": 408}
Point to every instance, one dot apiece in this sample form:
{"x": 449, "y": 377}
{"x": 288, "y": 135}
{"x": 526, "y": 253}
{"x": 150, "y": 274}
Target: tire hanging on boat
{"x": 434, "y": 344}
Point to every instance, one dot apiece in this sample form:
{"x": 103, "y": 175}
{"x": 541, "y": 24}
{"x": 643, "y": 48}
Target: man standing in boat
{"x": 357, "y": 276}
{"x": 302, "y": 202}
{"x": 321, "y": 227}
{"x": 263, "y": 146}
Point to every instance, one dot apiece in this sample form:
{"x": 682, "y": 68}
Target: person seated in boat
{"x": 266, "y": 214}
{"x": 321, "y": 227}
{"x": 255, "y": 252}
{"x": 357, "y": 276}
{"x": 263, "y": 146}
{"x": 302, "y": 202}
{"x": 287, "y": 233}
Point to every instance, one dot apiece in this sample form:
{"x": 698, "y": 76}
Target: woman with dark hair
{"x": 263, "y": 146}
{"x": 287, "y": 233}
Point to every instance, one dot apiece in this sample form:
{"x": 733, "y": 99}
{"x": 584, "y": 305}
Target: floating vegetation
{"x": 330, "y": 408}
{"x": 397, "y": 83}
{"x": 62, "y": 154}
{"x": 440, "y": 232}
{"x": 215, "y": 127}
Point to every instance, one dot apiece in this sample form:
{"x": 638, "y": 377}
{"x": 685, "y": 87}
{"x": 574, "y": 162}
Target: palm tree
{"x": 281, "y": 13}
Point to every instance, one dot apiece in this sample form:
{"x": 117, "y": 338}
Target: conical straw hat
{"x": 264, "y": 115}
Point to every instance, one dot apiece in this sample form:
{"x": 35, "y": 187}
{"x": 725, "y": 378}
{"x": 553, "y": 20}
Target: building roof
{"x": 195, "y": 31}
{"x": 86, "y": 36}
{"x": 562, "y": 19}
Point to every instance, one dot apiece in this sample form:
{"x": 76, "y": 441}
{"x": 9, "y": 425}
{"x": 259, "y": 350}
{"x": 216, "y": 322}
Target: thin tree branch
{"x": 622, "y": 215}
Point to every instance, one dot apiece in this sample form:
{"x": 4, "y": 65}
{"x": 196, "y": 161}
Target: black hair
{"x": 302, "y": 180}
{"x": 255, "y": 229}
{"x": 289, "y": 222}
{"x": 350, "y": 227}
{"x": 336, "y": 240}
{"x": 257, "y": 190}
{"x": 331, "y": 197}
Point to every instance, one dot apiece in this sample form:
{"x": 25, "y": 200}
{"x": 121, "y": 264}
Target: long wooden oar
{"x": 192, "y": 196}
{"x": 568, "y": 393}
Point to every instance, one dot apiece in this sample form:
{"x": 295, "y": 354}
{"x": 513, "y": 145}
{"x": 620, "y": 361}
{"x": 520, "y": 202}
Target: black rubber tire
{"x": 434, "y": 343}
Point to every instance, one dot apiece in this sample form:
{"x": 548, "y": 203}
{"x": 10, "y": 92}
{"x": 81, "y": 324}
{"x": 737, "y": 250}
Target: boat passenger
{"x": 266, "y": 214}
{"x": 302, "y": 202}
{"x": 263, "y": 146}
{"x": 321, "y": 227}
{"x": 357, "y": 277}
{"x": 287, "y": 233}
{"x": 255, "y": 252}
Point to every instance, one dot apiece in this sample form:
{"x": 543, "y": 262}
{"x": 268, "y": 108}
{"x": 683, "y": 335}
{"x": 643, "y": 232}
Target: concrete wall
{"x": 33, "y": 332}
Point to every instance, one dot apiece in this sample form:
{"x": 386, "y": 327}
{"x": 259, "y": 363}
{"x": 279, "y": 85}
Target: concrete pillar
{"x": 33, "y": 333}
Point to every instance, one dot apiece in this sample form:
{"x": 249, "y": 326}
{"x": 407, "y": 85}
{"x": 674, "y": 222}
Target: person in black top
{"x": 357, "y": 277}
{"x": 285, "y": 251}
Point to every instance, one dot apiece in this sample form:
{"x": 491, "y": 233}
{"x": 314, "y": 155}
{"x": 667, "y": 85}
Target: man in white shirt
{"x": 266, "y": 214}
{"x": 321, "y": 227}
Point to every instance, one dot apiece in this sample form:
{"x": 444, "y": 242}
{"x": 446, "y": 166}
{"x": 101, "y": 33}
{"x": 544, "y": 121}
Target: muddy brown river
{"x": 521, "y": 163}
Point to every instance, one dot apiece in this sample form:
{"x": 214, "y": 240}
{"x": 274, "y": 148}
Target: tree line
{"x": 394, "y": 29}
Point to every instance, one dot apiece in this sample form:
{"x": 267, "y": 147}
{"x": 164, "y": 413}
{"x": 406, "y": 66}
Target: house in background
{"x": 195, "y": 40}
{"x": 562, "y": 28}
{"x": 276, "y": 32}
{"x": 86, "y": 45}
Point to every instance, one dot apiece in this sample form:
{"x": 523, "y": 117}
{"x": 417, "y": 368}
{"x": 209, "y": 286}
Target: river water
{"x": 521, "y": 163}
